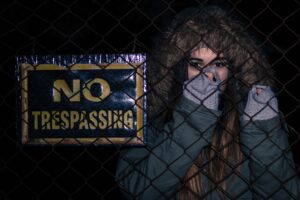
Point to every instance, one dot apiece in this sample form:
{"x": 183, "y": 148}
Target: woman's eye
{"x": 196, "y": 65}
{"x": 220, "y": 63}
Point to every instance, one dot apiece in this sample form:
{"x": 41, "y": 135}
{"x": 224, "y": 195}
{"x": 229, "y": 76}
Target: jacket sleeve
{"x": 272, "y": 170}
{"x": 155, "y": 171}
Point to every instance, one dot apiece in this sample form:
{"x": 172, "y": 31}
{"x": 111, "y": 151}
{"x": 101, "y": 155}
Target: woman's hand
{"x": 261, "y": 104}
{"x": 204, "y": 88}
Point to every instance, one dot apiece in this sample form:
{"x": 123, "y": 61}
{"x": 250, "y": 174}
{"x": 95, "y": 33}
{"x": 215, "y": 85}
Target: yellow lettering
{"x": 102, "y": 119}
{"x": 74, "y": 117}
{"x": 93, "y": 119}
{"x": 60, "y": 86}
{"x": 109, "y": 119}
{"x": 36, "y": 119}
{"x": 45, "y": 120}
{"x": 55, "y": 120}
{"x": 83, "y": 121}
{"x": 118, "y": 119}
{"x": 65, "y": 122}
{"x": 128, "y": 120}
{"x": 105, "y": 88}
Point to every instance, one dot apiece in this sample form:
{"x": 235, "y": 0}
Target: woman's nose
{"x": 211, "y": 73}
{"x": 211, "y": 76}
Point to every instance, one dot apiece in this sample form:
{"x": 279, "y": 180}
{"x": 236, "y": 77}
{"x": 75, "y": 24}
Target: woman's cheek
{"x": 192, "y": 72}
{"x": 223, "y": 73}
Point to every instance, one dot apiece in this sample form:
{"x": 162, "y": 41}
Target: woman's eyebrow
{"x": 218, "y": 58}
{"x": 195, "y": 59}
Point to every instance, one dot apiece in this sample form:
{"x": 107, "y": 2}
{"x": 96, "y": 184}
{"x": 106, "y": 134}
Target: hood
{"x": 206, "y": 26}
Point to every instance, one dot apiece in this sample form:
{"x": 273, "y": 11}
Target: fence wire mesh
{"x": 54, "y": 27}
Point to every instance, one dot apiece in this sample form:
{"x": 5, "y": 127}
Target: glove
{"x": 261, "y": 105}
{"x": 203, "y": 91}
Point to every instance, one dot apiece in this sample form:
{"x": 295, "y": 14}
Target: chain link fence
{"x": 54, "y": 27}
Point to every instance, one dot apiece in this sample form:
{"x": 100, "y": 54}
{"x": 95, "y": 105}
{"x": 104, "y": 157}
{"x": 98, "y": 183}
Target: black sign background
{"x": 124, "y": 118}
{"x": 40, "y": 98}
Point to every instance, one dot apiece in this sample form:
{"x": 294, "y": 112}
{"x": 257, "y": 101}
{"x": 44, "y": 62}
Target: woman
{"x": 215, "y": 131}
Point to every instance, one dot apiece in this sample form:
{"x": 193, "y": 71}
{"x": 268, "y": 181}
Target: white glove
{"x": 203, "y": 91}
{"x": 261, "y": 105}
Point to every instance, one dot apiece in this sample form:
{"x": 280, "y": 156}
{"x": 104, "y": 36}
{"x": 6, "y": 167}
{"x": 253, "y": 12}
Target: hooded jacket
{"x": 180, "y": 129}
{"x": 157, "y": 170}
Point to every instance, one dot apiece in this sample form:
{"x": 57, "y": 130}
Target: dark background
{"x": 114, "y": 26}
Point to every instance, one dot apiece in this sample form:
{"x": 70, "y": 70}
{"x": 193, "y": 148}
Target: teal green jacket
{"x": 156, "y": 171}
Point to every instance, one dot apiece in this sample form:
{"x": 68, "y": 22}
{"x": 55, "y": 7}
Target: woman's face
{"x": 204, "y": 57}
